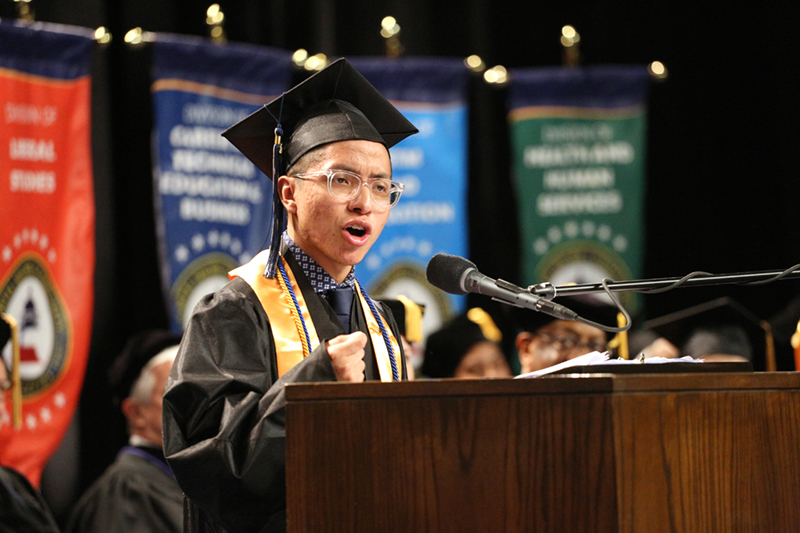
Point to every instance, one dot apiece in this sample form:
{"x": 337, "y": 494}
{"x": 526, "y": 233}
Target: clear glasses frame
{"x": 345, "y": 184}
{"x": 570, "y": 343}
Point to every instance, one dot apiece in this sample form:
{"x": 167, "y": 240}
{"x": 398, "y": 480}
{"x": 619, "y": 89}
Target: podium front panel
{"x": 570, "y": 453}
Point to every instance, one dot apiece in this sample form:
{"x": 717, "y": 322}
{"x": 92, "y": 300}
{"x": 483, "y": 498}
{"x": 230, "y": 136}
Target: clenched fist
{"x": 347, "y": 356}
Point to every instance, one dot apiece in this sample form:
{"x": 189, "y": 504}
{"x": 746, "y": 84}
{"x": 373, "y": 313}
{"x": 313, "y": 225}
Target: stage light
{"x": 389, "y": 27}
{"x": 134, "y": 36}
{"x": 299, "y": 57}
{"x": 475, "y": 63}
{"x": 137, "y": 37}
{"x": 657, "y": 70}
{"x": 102, "y": 36}
{"x": 316, "y": 62}
{"x": 497, "y": 75}
{"x": 569, "y": 36}
{"x": 214, "y": 15}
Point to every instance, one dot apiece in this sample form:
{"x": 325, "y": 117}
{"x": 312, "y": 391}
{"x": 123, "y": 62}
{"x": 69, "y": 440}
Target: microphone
{"x": 457, "y": 275}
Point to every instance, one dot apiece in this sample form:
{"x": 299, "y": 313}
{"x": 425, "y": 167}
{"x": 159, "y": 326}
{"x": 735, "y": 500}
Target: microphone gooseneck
{"x": 457, "y": 275}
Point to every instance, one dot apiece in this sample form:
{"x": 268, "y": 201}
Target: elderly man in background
{"x": 138, "y": 491}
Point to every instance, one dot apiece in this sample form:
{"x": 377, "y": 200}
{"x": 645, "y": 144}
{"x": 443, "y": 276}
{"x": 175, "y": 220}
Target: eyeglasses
{"x": 570, "y": 343}
{"x": 345, "y": 185}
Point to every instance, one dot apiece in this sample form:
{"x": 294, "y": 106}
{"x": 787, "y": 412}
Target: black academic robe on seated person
{"x": 22, "y": 507}
{"x": 136, "y": 494}
{"x": 224, "y": 406}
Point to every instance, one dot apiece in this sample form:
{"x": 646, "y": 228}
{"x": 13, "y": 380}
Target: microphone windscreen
{"x": 445, "y": 271}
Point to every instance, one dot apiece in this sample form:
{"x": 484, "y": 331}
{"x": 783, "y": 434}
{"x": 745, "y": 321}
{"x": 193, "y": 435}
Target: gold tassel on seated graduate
{"x": 485, "y": 322}
{"x": 620, "y": 340}
{"x": 16, "y": 380}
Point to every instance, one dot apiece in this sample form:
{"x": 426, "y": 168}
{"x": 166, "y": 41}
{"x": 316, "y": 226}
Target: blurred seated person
{"x": 784, "y": 325}
{"x": 22, "y": 507}
{"x": 466, "y": 347}
{"x": 138, "y": 491}
{"x": 649, "y": 343}
{"x": 7, "y": 387}
{"x": 543, "y": 341}
{"x": 721, "y": 330}
{"x": 408, "y": 315}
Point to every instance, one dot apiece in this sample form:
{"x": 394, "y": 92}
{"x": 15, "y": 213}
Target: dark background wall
{"x": 722, "y": 191}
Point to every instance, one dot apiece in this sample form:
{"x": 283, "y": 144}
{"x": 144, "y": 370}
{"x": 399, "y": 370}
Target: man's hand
{"x": 347, "y": 356}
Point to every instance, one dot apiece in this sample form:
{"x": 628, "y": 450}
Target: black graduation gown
{"x": 134, "y": 494}
{"x": 224, "y": 406}
{"x": 22, "y": 507}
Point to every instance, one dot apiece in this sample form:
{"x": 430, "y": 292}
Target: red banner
{"x": 46, "y": 238}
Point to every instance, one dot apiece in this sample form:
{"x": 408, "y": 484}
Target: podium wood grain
{"x": 627, "y": 453}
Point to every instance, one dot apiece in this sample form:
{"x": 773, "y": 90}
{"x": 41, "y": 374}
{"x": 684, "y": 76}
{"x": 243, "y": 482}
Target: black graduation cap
{"x": 408, "y": 315}
{"x": 719, "y": 326}
{"x": 137, "y": 352}
{"x": 335, "y": 104}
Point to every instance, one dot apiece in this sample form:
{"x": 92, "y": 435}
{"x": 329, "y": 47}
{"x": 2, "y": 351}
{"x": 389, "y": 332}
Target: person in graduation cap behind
{"x": 22, "y": 507}
{"x": 721, "y": 330}
{"x": 466, "y": 347}
{"x": 295, "y": 313}
{"x": 543, "y": 341}
{"x": 137, "y": 492}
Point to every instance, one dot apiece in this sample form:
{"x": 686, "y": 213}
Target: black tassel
{"x": 278, "y": 212}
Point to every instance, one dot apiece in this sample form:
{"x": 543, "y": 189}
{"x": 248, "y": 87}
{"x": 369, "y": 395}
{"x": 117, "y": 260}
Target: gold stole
{"x": 285, "y": 321}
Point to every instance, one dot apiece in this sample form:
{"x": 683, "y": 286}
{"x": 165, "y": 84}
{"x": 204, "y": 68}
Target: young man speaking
{"x": 296, "y": 312}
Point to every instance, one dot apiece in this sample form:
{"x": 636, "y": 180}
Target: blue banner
{"x": 431, "y": 217}
{"x": 212, "y": 204}
{"x": 579, "y": 146}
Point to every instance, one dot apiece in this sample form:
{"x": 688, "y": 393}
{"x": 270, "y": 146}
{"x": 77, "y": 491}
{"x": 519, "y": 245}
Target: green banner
{"x": 580, "y": 177}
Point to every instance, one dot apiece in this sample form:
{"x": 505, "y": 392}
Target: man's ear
{"x": 523, "y": 340}
{"x": 524, "y": 352}
{"x": 131, "y": 410}
{"x": 286, "y": 191}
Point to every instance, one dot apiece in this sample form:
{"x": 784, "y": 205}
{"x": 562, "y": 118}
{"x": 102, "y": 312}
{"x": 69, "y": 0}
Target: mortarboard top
{"x": 335, "y": 104}
{"x": 728, "y": 327}
{"x": 588, "y": 307}
{"x": 134, "y": 356}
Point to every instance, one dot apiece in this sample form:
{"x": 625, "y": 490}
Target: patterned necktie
{"x": 340, "y": 300}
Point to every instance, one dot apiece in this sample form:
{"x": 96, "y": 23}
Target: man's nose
{"x": 361, "y": 200}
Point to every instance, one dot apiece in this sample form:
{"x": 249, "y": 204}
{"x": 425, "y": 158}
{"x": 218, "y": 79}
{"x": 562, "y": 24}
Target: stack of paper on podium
{"x": 602, "y": 363}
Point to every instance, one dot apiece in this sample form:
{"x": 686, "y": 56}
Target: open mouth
{"x": 356, "y": 231}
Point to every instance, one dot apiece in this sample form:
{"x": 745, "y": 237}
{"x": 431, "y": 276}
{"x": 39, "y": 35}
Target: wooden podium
{"x": 572, "y": 453}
